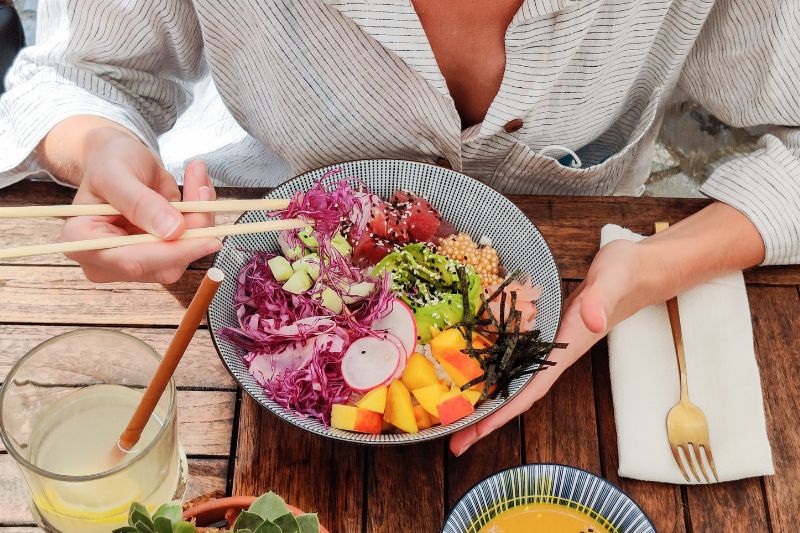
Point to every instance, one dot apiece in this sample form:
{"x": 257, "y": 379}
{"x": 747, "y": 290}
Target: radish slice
{"x": 370, "y": 362}
{"x": 400, "y": 322}
{"x": 404, "y": 356}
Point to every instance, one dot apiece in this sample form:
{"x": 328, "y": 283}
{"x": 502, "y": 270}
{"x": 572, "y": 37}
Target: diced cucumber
{"x": 281, "y": 268}
{"x": 341, "y": 244}
{"x": 306, "y": 235}
{"x": 332, "y": 301}
{"x": 308, "y": 264}
{"x": 298, "y": 283}
{"x": 356, "y": 291}
{"x": 288, "y": 252}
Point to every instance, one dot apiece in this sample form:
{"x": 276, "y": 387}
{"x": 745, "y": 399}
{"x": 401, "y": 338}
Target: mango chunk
{"x": 374, "y": 400}
{"x": 352, "y": 418}
{"x": 423, "y": 418}
{"x": 419, "y": 372}
{"x": 399, "y": 410}
{"x": 454, "y": 407}
{"x": 429, "y": 397}
{"x": 460, "y": 367}
{"x": 449, "y": 339}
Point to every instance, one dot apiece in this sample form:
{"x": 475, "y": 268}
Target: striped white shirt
{"x": 322, "y": 81}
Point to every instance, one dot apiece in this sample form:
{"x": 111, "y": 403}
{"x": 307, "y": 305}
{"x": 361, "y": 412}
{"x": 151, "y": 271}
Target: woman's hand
{"x": 613, "y": 290}
{"x": 625, "y": 277}
{"x": 116, "y": 168}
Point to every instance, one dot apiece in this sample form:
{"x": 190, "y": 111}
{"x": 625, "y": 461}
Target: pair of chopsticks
{"x": 215, "y": 206}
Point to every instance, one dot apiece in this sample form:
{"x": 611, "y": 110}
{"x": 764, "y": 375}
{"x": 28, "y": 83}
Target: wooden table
{"x": 236, "y": 447}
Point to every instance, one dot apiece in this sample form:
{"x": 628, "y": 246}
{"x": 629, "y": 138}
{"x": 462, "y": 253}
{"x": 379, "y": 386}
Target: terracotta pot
{"x": 213, "y": 511}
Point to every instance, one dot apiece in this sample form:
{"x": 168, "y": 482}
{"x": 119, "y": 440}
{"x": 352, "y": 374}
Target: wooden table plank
{"x": 661, "y": 502}
{"x": 776, "y": 322}
{"x": 206, "y": 477}
{"x": 405, "y": 487}
{"x": 200, "y": 368}
{"x": 494, "y": 453}
{"x": 205, "y": 422}
{"x": 314, "y": 474}
{"x": 62, "y": 295}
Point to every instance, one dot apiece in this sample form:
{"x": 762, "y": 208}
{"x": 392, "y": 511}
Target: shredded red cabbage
{"x": 273, "y": 323}
{"x": 312, "y": 390}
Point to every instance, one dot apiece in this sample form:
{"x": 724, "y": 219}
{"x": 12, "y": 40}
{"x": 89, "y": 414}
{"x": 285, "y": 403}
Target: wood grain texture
{"x": 561, "y": 427}
{"x": 62, "y": 295}
{"x": 200, "y": 368}
{"x": 733, "y": 506}
{"x": 314, "y": 474}
{"x": 493, "y": 453}
{"x": 661, "y": 502}
{"x": 776, "y": 323}
{"x": 205, "y": 422}
{"x": 24, "y": 231}
{"x": 206, "y": 476}
{"x": 405, "y": 487}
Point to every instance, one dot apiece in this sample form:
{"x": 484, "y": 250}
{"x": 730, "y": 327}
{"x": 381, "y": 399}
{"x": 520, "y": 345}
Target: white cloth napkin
{"x": 722, "y": 373}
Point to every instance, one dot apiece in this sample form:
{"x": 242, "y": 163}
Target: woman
{"x": 482, "y": 87}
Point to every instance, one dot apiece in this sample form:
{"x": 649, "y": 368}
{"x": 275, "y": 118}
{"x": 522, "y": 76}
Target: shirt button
{"x": 513, "y": 125}
{"x": 442, "y": 162}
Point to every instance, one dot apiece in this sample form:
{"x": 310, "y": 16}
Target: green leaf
{"x": 172, "y": 511}
{"x": 138, "y": 513}
{"x": 287, "y": 523}
{"x": 268, "y": 527}
{"x": 269, "y": 506}
{"x": 125, "y": 529}
{"x": 162, "y": 524}
{"x": 184, "y": 527}
{"x": 308, "y": 522}
{"x": 247, "y": 520}
{"x": 143, "y": 527}
{"x": 242, "y": 531}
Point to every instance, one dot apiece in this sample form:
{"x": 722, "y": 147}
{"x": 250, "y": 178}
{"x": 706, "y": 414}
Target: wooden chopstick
{"x": 214, "y": 206}
{"x": 116, "y": 242}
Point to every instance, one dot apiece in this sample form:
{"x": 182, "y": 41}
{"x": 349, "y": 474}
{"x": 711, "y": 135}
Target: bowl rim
{"x": 557, "y": 465}
{"x": 415, "y": 439}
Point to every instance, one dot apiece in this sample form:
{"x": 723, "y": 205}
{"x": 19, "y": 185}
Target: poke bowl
{"x": 420, "y": 307}
{"x": 546, "y": 497}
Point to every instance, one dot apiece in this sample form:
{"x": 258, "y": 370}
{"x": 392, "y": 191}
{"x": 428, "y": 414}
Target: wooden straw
{"x": 186, "y": 330}
{"x": 116, "y": 242}
{"x": 214, "y": 206}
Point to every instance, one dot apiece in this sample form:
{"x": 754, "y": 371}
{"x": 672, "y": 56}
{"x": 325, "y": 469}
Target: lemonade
{"x": 76, "y": 436}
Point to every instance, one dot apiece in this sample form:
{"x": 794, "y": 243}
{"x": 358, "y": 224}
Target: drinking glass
{"x": 62, "y": 408}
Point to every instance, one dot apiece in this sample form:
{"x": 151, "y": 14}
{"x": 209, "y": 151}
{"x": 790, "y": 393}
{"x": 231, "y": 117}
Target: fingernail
{"x": 463, "y": 449}
{"x": 166, "y": 223}
{"x": 205, "y": 193}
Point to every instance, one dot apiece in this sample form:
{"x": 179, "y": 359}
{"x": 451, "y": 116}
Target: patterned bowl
{"x": 467, "y": 203}
{"x": 547, "y": 483}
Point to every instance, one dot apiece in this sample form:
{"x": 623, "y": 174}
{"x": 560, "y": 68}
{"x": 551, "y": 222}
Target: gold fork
{"x": 687, "y": 429}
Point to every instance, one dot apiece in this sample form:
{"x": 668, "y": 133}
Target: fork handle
{"x": 677, "y": 333}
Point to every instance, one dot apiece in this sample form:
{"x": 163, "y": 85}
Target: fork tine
{"x": 699, "y": 458}
{"x": 688, "y": 455}
{"x": 678, "y": 460}
{"x": 710, "y": 459}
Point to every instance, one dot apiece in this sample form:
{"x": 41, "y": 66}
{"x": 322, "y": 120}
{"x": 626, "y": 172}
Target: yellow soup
{"x": 542, "y": 517}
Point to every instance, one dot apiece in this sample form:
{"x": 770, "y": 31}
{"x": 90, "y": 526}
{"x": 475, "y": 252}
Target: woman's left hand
{"x": 625, "y": 277}
{"x": 613, "y": 290}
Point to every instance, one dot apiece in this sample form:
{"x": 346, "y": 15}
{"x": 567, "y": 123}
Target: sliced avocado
{"x": 298, "y": 283}
{"x": 280, "y": 267}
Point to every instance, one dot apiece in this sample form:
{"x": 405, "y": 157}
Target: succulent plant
{"x": 268, "y": 514}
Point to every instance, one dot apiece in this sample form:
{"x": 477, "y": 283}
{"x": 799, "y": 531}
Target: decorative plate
{"x": 470, "y": 205}
{"x": 547, "y": 483}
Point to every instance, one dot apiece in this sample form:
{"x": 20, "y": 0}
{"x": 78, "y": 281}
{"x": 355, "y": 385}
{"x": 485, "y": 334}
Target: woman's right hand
{"x": 117, "y": 168}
